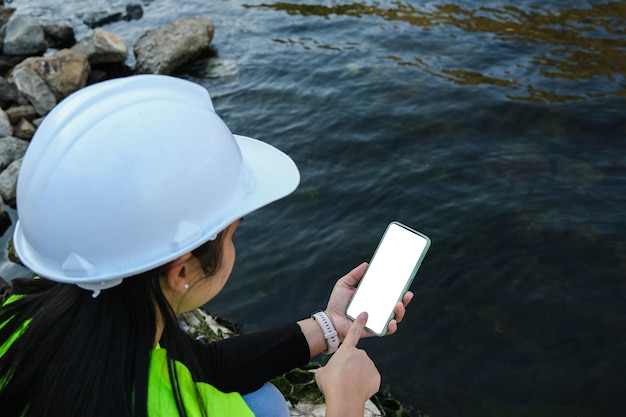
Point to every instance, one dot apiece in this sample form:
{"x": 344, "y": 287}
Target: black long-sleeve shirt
{"x": 244, "y": 363}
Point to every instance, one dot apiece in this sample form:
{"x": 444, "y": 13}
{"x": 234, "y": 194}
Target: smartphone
{"x": 387, "y": 278}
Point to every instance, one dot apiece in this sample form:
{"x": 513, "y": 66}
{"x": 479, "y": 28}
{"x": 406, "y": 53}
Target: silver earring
{"x": 186, "y": 287}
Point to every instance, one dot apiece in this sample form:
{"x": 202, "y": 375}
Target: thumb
{"x": 354, "y": 334}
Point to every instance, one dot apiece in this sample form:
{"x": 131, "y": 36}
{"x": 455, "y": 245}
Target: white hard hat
{"x": 128, "y": 174}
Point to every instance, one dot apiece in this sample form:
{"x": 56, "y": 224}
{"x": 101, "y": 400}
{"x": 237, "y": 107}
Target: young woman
{"x": 128, "y": 199}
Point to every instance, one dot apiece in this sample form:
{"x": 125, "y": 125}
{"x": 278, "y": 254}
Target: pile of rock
{"x": 43, "y": 64}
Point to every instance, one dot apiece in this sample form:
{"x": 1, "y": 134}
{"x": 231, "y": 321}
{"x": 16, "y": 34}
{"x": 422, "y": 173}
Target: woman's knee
{"x": 267, "y": 401}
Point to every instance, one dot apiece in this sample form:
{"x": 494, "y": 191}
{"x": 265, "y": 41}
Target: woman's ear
{"x": 176, "y": 273}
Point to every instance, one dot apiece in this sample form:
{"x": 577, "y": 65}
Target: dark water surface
{"x": 497, "y": 128}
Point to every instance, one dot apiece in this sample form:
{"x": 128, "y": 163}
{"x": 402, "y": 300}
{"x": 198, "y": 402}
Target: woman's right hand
{"x": 350, "y": 377}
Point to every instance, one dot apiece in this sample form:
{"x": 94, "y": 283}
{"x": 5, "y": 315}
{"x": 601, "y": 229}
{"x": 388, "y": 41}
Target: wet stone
{"x": 11, "y": 148}
{"x": 8, "y": 181}
{"x": 165, "y": 49}
{"x": 62, "y": 73}
{"x": 30, "y": 84}
{"x": 98, "y": 19}
{"x": 8, "y": 91}
{"x": 59, "y": 35}
{"x": 133, "y": 12}
{"x": 7, "y": 62}
{"x": 102, "y": 47}
{"x": 5, "y": 15}
{"x": 24, "y": 130}
{"x": 16, "y": 113}
{"x": 5, "y": 125}
{"x": 24, "y": 36}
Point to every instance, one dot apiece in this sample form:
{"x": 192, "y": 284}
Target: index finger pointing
{"x": 354, "y": 334}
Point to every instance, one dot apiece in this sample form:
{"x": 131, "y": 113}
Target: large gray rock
{"x": 8, "y": 181}
{"x": 63, "y": 72}
{"x": 24, "y": 36}
{"x": 34, "y": 88}
{"x": 11, "y": 149}
{"x": 102, "y": 47}
{"x": 165, "y": 49}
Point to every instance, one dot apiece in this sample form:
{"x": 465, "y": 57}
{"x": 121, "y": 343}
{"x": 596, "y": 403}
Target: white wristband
{"x": 330, "y": 334}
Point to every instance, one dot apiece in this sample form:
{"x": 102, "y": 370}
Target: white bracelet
{"x": 330, "y": 334}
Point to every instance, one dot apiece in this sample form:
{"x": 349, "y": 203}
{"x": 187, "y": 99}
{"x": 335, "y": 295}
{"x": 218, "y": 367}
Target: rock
{"x": 7, "y": 62}
{"x": 16, "y": 113}
{"x": 8, "y": 181}
{"x": 5, "y": 15}
{"x": 205, "y": 327}
{"x": 133, "y": 12}
{"x": 96, "y": 75}
{"x": 11, "y": 148}
{"x": 24, "y": 36}
{"x": 8, "y": 92}
{"x": 29, "y": 83}
{"x": 97, "y": 19}
{"x": 308, "y": 409}
{"x": 11, "y": 254}
{"x": 24, "y": 130}
{"x": 305, "y": 399}
{"x": 64, "y": 72}
{"x": 212, "y": 68}
{"x": 102, "y": 47}
{"x": 165, "y": 49}
{"x": 36, "y": 122}
{"x": 5, "y": 124}
{"x": 59, "y": 35}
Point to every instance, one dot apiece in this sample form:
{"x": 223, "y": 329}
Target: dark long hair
{"x": 83, "y": 356}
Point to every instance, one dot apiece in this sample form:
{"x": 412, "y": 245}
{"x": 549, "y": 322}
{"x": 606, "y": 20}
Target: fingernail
{"x": 363, "y": 315}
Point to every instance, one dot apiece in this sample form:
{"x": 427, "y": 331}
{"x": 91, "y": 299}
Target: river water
{"x": 497, "y": 128}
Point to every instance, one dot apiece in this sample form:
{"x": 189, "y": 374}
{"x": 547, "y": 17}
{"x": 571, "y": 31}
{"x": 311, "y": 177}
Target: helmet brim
{"x": 274, "y": 174}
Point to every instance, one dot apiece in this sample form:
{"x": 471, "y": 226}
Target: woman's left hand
{"x": 341, "y": 295}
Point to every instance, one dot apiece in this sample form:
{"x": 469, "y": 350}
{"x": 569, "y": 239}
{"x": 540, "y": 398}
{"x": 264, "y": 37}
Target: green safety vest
{"x": 161, "y": 402}
{"x": 161, "y": 399}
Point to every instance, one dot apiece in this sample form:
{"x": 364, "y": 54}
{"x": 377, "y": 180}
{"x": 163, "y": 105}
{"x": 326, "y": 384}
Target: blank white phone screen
{"x": 387, "y": 276}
